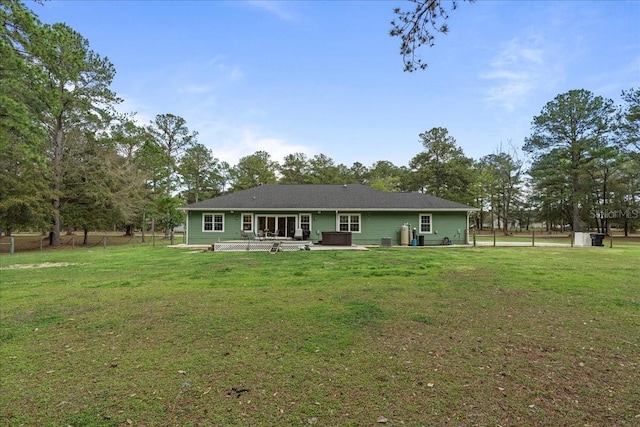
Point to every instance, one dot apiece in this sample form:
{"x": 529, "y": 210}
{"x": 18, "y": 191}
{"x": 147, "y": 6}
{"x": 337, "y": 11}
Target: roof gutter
{"x": 309, "y": 209}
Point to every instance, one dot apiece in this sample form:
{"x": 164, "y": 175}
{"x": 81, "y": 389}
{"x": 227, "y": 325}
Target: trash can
{"x": 597, "y": 239}
{"x": 421, "y": 240}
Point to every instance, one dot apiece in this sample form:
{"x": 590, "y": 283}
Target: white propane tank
{"x": 404, "y": 235}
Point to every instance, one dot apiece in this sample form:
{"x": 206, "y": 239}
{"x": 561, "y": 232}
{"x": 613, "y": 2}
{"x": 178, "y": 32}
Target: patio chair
{"x": 298, "y": 235}
{"x": 260, "y": 235}
{"x": 247, "y": 235}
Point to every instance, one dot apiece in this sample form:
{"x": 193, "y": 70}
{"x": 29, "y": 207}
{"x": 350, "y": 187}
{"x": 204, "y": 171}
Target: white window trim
{"x": 349, "y": 214}
{"x": 430, "y": 223}
{"x": 213, "y": 215}
{"x": 310, "y": 220}
{"x": 242, "y": 222}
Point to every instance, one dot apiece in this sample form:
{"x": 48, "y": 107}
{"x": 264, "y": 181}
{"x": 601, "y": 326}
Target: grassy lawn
{"x": 437, "y": 336}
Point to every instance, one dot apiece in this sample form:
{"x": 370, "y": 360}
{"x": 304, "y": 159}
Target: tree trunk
{"x": 57, "y": 184}
{"x": 85, "y": 238}
{"x": 575, "y": 206}
{"x": 168, "y": 227}
{"x": 144, "y": 226}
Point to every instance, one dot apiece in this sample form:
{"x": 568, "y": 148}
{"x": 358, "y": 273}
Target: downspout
{"x": 186, "y": 229}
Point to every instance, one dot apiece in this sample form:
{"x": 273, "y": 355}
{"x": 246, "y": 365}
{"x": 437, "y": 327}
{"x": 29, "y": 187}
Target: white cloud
{"x": 207, "y": 76}
{"x": 219, "y": 66}
{"x": 196, "y": 89}
{"x": 274, "y": 7}
{"x": 517, "y": 70}
{"x": 230, "y": 142}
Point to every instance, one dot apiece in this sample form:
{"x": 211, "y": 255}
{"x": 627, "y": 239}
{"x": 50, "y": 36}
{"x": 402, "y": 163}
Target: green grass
{"x": 436, "y": 336}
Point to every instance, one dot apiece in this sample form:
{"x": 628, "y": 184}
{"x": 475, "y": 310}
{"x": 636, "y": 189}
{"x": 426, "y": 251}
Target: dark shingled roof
{"x": 318, "y": 197}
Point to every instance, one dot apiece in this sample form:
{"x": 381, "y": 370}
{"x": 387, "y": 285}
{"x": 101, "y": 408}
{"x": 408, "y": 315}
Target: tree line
{"x": 70, "y": 162}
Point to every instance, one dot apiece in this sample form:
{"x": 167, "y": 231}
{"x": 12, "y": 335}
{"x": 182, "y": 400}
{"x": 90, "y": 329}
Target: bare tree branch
{"x": 419, "y": 27}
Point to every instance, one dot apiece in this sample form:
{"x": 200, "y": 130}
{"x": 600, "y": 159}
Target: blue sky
{"x": 324, "y": 77}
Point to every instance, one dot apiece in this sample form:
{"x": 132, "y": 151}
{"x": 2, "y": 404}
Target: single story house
{"x": 284, "y": 210}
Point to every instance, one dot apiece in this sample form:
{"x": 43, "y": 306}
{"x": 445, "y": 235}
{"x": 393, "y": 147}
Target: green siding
{"x": 373, "y": 226}
{"x": 376, "y": 225}
{"x": 198, "y": 237}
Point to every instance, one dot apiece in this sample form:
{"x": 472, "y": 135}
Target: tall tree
{"x": 129, "y": 140}
{"x": 504, "y": 171}
{"x": 385, "y": 176}
{"x": 151, "y": 162}
{"x": 99, "y": 190}
{"x": 74, "y": 93}
{"x": 571, "y": 129}
{"x": 23, "y": 169}
{"x": 20, "y": 74}
{"x": 200, "y": 174}
{"x": 602, "y": 174}
{"x": 23, "y": 189}
{"x": 295, "y": 169}
{"x": 419, "y": 26}
{"x": 625, "y": 197}
{"x": 359, "y": 173}
{"x": 629, "y": 122}
{"x": 323, "y": 170}
{"x": 442, "y": 168}
{"x": 172, "y": 136}
{"x": 254, "y": 170}
{"x": 550, "y": 192}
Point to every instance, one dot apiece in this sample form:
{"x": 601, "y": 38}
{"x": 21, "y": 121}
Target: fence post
{"x": 610, "y": 240}
{"x": 494, "y": 237}
{"x": 474, "y": 237}
{"x": 12, "y": 245}
{"x": 73, "y": 242}
{"x": 572, "y": 236}
{"x": 104, "y": 242}
{"x": 533, "y": 237}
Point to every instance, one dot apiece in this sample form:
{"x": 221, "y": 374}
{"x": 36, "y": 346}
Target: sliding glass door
{"x": 275, "y": 225}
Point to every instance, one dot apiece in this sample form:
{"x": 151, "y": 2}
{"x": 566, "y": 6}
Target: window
{"x": 213, "y": 222}
{"x": 247, "y": 222}
{"x": 305, "y": 222}
{"x": 425, "y": 223}
{"x": 349, "y": 223}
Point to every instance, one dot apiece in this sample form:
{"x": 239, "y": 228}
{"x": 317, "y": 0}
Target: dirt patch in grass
{"x": 40, "y": 265}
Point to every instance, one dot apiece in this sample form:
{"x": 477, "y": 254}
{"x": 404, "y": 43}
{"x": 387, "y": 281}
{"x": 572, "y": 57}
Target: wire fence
{"x": 21, "y": 243}
{"x": 32, "y": 243}
{"x": 540, "y": 238}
